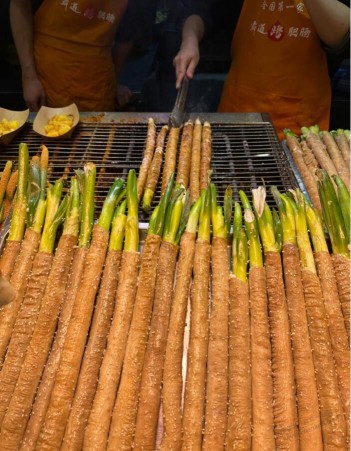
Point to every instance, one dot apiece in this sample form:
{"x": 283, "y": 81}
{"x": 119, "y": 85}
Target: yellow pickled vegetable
{"x": 59, "y": 124}
{"x": 8, "y": 126}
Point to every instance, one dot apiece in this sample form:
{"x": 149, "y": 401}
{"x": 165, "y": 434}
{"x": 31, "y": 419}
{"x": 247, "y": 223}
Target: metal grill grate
{"x": 244, "y": 154}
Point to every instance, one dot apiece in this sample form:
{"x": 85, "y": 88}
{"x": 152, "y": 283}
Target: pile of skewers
{"x": 246, "y": 349}
{"x": 316, "y": 149}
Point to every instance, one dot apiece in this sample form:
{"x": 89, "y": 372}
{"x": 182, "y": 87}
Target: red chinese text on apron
{"x": 72, "y": 48}
{"x": 278, "y": 66}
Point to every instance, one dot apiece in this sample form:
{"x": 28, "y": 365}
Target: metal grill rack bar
{"x": 245, "y": 151}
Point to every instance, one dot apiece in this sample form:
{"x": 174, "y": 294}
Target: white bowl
{"x": 46, "y": 113}
{"x": 10, "y": 115}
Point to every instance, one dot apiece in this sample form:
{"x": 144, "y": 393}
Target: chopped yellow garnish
{"x": 8, "y": 126}
{"x": 58, "y": 125}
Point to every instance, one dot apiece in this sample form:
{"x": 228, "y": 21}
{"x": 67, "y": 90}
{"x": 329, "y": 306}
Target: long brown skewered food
{"x": 125, "y": 409}
{"x": 155, "y": 169}
{"x": 309, "y": 158}
{"x": 319, "y": 151}
{"x": 261, "y": 370}
{"x": 152, "y": 372}
{"x": 343, "y": 145}
{"x": 22, "y": 269}
{"x": 96, "y": 433}
{"x": 170, "y": 161}
{"x": 194, "y": 182}
{"x": 151, "y": 380}
{"x": 147, "y": 158}
{"x": 124, "y": 412}
{"x": 172, "y": 372}
{"x": 48, "y": 378}
{"x": 330, "y": 403}
{"x": 308, "y": 408}
{"x": 220, "y": 341}
{"x": 52, "y": 431}
{"x": 31, "y": 304}
{"x": 306, "y": 175}
{"x": 99, "y": 329}
{"x": 14, "y": 424}
{"x": 284, "y": 393}
{"x": 206, "y": 152}
{"x": 336, "y": 156}
{"x": 184, "y": 162}
{"x": 194, "y": 400}
{"x": 261, "y": 361}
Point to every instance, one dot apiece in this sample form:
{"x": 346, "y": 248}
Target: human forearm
{"x": 331, "y": 19}
{"x": 21, "y": 18}
{"x": 189, "y": 55}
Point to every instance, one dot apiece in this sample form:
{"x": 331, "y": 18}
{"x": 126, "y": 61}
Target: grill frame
{"x": 244, "y": 147}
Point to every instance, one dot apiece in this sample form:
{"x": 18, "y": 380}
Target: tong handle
{"x": 182, "y": 93}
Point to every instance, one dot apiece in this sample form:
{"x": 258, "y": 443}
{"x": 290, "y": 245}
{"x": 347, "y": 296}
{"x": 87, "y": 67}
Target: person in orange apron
{"x": 278, "y": 64}
{"x": 65, "y": 54}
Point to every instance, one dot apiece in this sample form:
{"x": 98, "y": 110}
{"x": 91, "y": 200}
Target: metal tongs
{"x": 176, "y": 117}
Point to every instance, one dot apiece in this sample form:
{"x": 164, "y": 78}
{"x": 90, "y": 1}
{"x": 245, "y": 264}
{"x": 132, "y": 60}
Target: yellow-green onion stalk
{"x": 264, "y": 220}
{"x": 132, "y": 225}
{"x": 157, "y": 219}
{"x": 332, "y": 214}
{"x": 87, "y": 186}
{"x": 19, "y": 214}
{"x": 252, "y": 233}
{"x": 109, "y": 205}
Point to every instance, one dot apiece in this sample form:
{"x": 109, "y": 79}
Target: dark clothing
{"x": 144, "y": 20}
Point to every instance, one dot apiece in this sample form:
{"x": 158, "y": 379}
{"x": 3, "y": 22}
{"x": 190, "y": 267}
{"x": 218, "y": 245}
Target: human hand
{"x": 186, "y": 60}
{"x": 123, "y": 96}
{"x": 33, "y": 93}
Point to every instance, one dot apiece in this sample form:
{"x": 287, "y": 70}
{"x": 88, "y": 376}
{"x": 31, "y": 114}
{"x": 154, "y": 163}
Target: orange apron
{"x": 72, "y": 49}
{"x": 278, "y": 66}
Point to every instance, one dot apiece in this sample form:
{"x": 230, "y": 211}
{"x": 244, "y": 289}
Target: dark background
{"x": 155, "y": 90}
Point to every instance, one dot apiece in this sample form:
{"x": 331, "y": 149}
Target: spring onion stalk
{"x": 205, "y": 216}
{"x": 332, "y": 214}
{"x": 264, "y": 220}
{"x": 303, "y": 240}
{"x": 347, "y": 134}
{"x": 33, "y": 189}
{"x": 153, "y": 219}
{"x": 252, "y": 233}
{"x": 172, "y": 222}
{"x": 287, "y": 216}
{"x": 19, "y": 214}
{"x": 132, "y": 223}
{"x": 194, "y": 215}
{"x": 185, "y": 216}
{"x": 228, "y": 208}
{"x": 278, "y": 230}
{"x": 217, "y": 217}
{"x": 156, "y": 225}
{"x": 242, "y": 257}
{"x": 40, "y": 211}
{"x": 71, "y": 225}
{"x": 55, "y": 214}
{"x": 87, "y": 182}
{"x": 239, "y": 246}
{"x": 109, "y": 205}
{"x": 175, "y": 196}
{"x": 344, "y": 202}
{"x": 316, "y": 229}
{"x": 119, "y": 221}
